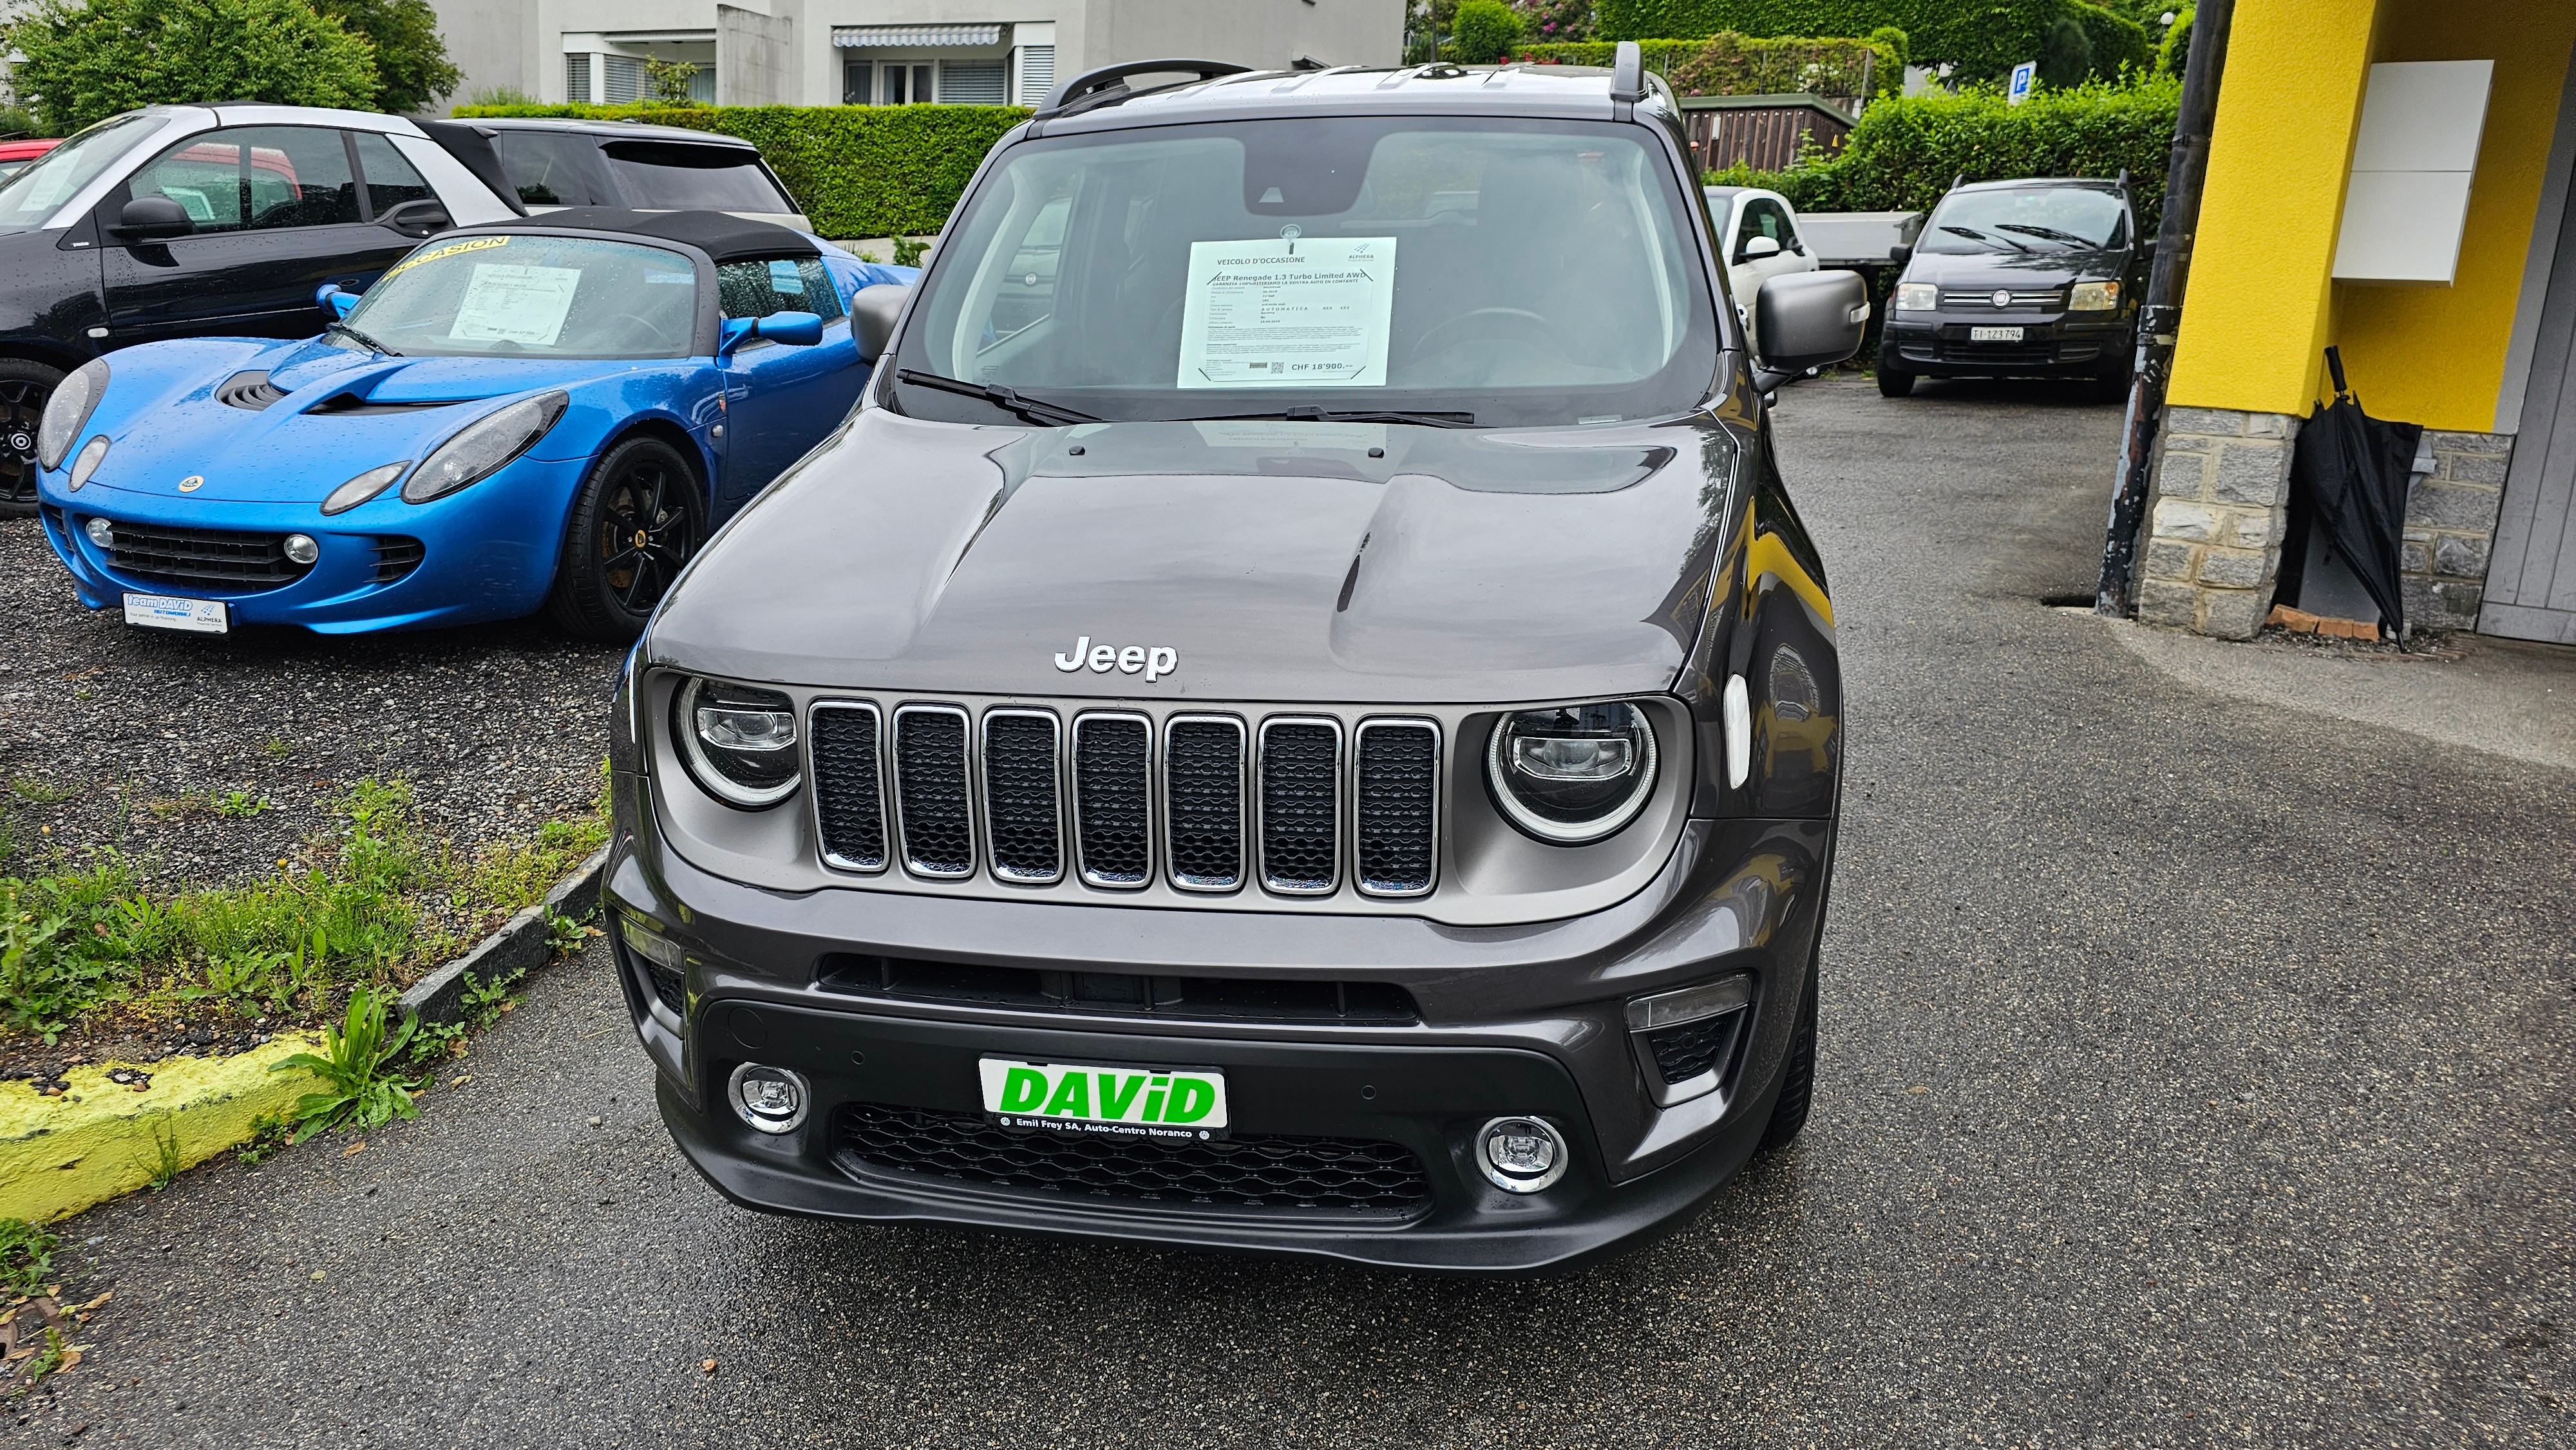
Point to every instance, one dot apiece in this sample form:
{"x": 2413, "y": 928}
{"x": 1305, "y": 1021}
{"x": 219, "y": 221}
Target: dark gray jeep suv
{"x": 1296, "y": 715}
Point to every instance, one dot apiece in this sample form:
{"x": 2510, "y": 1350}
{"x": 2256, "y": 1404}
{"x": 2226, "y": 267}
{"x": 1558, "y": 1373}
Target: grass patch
{"x": 376, "y": 904}
{"x": 26, "y": 1257}
{"x": 39, "y": 792}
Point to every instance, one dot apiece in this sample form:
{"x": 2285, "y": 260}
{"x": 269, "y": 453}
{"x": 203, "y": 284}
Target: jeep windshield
{"x": 2029, "y": 219}
{"x": 1511, "y": 272}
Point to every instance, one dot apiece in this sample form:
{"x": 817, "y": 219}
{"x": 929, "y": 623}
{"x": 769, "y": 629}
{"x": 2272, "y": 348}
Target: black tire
{"x": 24, "y": 387}
{"x": 639, "y": 517}
{"x": 1798, "y": 1079}
{"x": 1893, "y": 383}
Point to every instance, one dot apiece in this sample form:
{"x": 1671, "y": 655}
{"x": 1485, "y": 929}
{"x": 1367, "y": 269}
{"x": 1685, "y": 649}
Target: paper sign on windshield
{"x": 1298, "y": 312}
{"x": 509, "y": 303}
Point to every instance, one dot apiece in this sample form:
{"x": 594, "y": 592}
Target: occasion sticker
{"x": 506, "y": 303}
{"x": 1292, "y": 312}
{"x": 470, "y": 244}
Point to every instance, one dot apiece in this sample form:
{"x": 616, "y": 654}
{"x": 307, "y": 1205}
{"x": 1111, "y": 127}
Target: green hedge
{"x": 858, "y": 171}
{"x": 1737, "y": 65}
{"x": 1983, "y": 39}
{"x": 1906, "y": 149}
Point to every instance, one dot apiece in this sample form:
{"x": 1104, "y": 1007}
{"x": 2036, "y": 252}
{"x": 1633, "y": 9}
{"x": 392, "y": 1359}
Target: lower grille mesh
{"x": 1203, "y": 765}
{"x": 1319, "y": 1176}
{"x": 396, "y": 557}
{"x": 203, "y": 556}
{"x": 1111, "y": 758}
{"x": 1020, "y": 795}
{"x": 1684, "y": 1052}
{"x": 930, "y": 777}
{"x": 1399, "y": 768}
{"x": 849, "y": 796}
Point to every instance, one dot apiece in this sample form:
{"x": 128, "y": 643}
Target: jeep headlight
{"x": 1917, "y": 297}
{"x": 68, "y": 410}
{"x": 2093, "y": 297}
{"x": 1572, "y": 774}
{"x": 484, "y": 447}
{"x": 738, "y": 742}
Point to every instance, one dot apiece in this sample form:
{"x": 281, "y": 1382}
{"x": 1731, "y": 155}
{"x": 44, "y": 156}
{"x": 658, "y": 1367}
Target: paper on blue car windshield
{"x": 1288, "y": 312}
{"x": 510, "y": 303}
{"x": 785, "y": 279}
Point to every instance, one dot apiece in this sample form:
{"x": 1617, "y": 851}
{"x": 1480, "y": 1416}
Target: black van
{"x": 2036, "y": 278}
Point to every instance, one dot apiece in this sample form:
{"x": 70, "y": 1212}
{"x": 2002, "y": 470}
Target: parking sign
{"x": 2022, "y": 76}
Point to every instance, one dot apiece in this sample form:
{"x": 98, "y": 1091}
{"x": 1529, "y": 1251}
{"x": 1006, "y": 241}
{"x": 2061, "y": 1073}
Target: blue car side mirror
{"x": 794, "y": 329}
{"x": 340, "y": 302}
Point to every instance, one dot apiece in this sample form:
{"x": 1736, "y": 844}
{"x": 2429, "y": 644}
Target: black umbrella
{"x": 2348, "y": 473}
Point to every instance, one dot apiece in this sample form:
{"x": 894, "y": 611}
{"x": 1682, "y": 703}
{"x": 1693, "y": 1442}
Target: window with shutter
{"x": 971, "y": 82}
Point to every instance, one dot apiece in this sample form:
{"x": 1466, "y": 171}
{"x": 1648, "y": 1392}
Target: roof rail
{"x": 1628, "y": 73}
{"x": 1110, "y": 81}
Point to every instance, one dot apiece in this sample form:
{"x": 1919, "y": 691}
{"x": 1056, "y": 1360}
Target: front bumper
{"x": 486, "y": 552}
{"x": 1521, "y": 1021}
{"x": 2062, "y": 345}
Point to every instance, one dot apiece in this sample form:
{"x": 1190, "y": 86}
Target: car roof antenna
{"x": 1628, "y": 73}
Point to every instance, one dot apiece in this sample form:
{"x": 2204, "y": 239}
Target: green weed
{"x": 359, "y": 1092}
{"x": 26, "y": 1257}
{"x": 267, "y": 1135}
{"x": 36, "y": 792}
{"x": 908, "y": 252}
{"x": 241, "y": 805}
{"x": 44, "y": 983}
{"x": 165, "y": 1153}
{"x": 276, "y": 749}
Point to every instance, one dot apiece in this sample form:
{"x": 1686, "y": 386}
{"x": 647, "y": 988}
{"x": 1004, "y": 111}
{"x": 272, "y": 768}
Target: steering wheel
{"x": 1495, "y": 321}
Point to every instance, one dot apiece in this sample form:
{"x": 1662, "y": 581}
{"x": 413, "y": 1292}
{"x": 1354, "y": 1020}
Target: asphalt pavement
{"x": 2195, "y": 1071}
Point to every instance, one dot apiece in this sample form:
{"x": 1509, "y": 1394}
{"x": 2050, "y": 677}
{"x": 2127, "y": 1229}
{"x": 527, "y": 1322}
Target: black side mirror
{"x": 1900, "y": 254}
{"x": 1808, "y": 320}
{"x": 417, "y": 218}
{"x": 872, "y": 317}
{"x": 152, "y": 219}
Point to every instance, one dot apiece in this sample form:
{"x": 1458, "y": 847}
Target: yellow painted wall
{"x": 2435, "y": 355}
{"x": 2259, "y": 309}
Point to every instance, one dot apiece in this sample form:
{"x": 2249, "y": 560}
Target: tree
{"x": 2065, "y": 53}
{"x": 412, "y": 67}
{"x": 1486, "y": 31}
{"x": 84, "y": 62}
{"x": 670, "y": 80}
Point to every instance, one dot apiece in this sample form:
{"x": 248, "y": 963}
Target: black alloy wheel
{"x": 638, "y": 519}
{"x": 24, "y": 389}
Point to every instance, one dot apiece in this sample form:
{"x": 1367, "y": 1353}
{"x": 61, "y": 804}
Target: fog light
{"x": 301, "y": 549}
{"x": 770, "y": 1099}
{"x": 649, "y": 944}
{"x": 101, "y": 533}
{"x": 1520, "y": 1155}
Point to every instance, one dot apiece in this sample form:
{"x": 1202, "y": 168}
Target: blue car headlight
{"x": 68, "y": 410}
{"x": 484, "y": 447}
{"x": 85, "y": 465}
{"x": 363, "y": 487}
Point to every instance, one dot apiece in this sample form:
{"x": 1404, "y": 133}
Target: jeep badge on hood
{"x": 1156, "y": 662}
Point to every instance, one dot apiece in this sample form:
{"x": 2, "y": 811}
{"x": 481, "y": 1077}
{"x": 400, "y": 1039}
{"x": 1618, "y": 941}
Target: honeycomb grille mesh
{"x": 1684, "y": 1052}
{"x": 1301, "y": 767}
{"x": 930, "y": 774}
{"x": 1399, "y": 768}
{"x": 1312, "y": 1176}
{"x": 1020, "y": 795}
{"x": 849, "y": 795}
{"x": 1203, "y": 765}
{"x": 1111, "y": 759}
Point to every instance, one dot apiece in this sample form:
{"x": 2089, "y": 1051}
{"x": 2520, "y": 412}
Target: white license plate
{"x": 168, "y": 611}
{"x": 1130, "y": 1102}
{"x": 1994, "y": 334}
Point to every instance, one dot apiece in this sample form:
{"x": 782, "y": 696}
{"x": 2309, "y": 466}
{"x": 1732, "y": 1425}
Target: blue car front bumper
{"x": 486, "y": 552}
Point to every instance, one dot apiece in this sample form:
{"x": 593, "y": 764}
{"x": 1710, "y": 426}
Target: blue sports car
{"x": 551, "y": 413}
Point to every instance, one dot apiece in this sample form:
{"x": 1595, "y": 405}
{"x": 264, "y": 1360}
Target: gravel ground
{"x": 118, "y": 737}
{"x": 2194, "y": 1071}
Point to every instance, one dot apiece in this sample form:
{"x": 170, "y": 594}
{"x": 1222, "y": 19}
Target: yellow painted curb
{"x": 60, "y": 1155}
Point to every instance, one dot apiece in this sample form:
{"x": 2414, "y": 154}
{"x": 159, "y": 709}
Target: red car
{"x": 14, "y": 154}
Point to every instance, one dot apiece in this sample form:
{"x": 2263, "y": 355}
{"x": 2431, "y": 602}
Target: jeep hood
{"x": 1279, "y": 561}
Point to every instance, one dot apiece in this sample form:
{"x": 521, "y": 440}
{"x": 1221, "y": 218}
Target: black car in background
{"x": 2037, "y": 278}
{"x": 206, "y": 221}
{"x": 552, "y": 163}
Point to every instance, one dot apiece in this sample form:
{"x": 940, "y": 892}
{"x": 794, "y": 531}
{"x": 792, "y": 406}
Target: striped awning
{"x": 913, "y": 37}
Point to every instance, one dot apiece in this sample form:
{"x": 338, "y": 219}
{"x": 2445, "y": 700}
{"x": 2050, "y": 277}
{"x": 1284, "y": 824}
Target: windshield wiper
{"x": 2049, "y": 234}
{"x": 1364, "y": 415}
{"x": 1036, "y": 410}
{"x": 1977, "y": 236}
{"x": 361, "y": 339}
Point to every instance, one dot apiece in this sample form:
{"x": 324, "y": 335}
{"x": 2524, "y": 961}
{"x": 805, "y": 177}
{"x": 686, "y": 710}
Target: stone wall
{"x": 2450, "y": 529}
{"x": 2213, "y": 550}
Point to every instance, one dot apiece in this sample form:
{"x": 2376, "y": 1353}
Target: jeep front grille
{"x": 1303, "y": 805}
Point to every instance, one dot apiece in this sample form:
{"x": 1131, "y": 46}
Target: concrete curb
{"x": 518, "y": 946}
{"x": 101, "y": 1139}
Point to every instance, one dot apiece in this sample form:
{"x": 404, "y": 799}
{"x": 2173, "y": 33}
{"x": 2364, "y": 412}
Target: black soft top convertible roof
{"x": 722, "y": 237}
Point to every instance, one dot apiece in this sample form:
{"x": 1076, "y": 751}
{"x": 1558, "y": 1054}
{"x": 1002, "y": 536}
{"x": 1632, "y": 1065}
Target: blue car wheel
{"x": 639, "y": 517}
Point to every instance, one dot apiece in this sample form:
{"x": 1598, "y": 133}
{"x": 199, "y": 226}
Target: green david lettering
{"x": 1113, "y": 1102}
{"x": 1072, "y": 1097}
{"x": 1023, "y": 1088}
{"x": 1192, "y": 1099}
